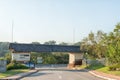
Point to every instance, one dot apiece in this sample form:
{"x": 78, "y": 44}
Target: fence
{"x": 97, "y": 61}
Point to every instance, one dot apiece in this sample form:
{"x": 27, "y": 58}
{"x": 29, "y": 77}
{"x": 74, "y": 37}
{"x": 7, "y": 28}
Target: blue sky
{"x": 44, "y": 20}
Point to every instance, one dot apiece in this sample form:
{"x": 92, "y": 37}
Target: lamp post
{"x": 86, "y": 57}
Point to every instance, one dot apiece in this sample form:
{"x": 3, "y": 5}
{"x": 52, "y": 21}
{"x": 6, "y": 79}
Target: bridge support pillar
{"x": 75, "y": 59}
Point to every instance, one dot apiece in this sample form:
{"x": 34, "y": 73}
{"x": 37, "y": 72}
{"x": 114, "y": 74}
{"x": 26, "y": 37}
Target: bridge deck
{"x": 16, "y": 47}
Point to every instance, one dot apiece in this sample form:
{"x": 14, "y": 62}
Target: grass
{"x": 12, "y": 72}
{"x": 82, "y": 66}
{"x": 95, "y": 66}
{"x": 104, "y": 69}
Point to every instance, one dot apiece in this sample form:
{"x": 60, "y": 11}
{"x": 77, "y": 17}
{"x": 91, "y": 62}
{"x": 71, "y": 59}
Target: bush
{"x": 2, "y": 58}
{"x": 95, "y": 66}
{"x": 16, "y": 66}
{"x": 115, "y": 67}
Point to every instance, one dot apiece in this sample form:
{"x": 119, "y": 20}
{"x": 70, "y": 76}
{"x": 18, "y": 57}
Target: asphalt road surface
{"x": 61, "y": 75}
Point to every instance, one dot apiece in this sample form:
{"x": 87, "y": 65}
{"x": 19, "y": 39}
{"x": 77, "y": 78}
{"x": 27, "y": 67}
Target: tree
{"x": 93, "y": 44}
{"x": 4, "y": 48}
{"x": 63, "y": 43}
{"x": 8, "y": 57}
{"x": 77, "y": 43}
{"x": 52, "y": 42}
{"x": 113, "y": 46}
{"x": 50, "y": 60}
{"x": 35, "y": 43}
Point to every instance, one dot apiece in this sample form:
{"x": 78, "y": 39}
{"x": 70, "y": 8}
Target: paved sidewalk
{"x": 19, "y": 76}
{"x": 104, "y": 75}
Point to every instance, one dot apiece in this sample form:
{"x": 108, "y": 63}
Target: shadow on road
{"x": 39, "y": 74}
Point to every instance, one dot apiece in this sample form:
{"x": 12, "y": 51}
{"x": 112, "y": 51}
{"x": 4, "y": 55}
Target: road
{"x": 61, "y": 75}
{"x": 51, "y": 66}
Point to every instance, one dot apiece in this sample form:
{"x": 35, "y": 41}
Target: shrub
{"x": 2, "y": 58}
{"x": 95, "y": 66}
{"x": 115, "y": 67}
{"x": 16, "y": 66}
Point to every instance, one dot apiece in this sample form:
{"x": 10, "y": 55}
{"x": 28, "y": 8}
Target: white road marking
{"x": 60, "y": 77}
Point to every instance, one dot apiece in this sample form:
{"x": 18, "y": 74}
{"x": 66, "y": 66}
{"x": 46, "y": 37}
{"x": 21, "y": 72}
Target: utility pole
{"x": 73, "y": 35}
{"x": 12, "y": 30}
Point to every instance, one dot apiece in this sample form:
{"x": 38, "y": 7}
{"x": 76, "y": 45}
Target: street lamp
{"x": 86, "y": 57}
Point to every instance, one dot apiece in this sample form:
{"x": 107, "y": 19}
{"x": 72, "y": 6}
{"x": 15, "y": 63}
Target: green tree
{"x": 63, "y": 43}
{"x": 8, "y": 57}
{"x": 77, "y": 43}
{"x": 35, "y": 43}
{"x": 113, "y": 46}
{"x": 4, "y": 48}
{"x": 50, "y": 60}
{"x": 52, "y": 42}
{"x": 94, "y": 45}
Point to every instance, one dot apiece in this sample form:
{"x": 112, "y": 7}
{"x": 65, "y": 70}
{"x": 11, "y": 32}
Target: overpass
{"x": 43, "y": 48}
{"x": 75, "y": 54}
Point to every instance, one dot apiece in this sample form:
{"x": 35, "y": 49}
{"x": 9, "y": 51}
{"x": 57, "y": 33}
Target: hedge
{"x": 16, "y": 66}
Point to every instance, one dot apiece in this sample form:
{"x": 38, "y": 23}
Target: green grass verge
{"x": 12, "y": 72}
{"x": 82, "y": 66}
{"x": 95, "y": 66}
{"x": 104, "y": 69}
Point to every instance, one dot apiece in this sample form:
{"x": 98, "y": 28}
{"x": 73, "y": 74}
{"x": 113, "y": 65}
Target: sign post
{"x": 39, "y": 60}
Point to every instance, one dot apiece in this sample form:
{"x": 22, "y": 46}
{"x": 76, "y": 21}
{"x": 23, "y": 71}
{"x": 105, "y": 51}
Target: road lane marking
{"x": 60, "y": 77}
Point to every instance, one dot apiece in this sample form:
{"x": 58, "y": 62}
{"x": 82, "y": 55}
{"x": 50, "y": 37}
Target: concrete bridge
{"x": 21, "y": 52}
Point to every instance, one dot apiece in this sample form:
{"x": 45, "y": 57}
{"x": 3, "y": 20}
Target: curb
{"x": 19, "y": 76}
{"x": 27, "y": 74}
{"x": 107, "y": 78}
{"x": 101, "y": 76}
